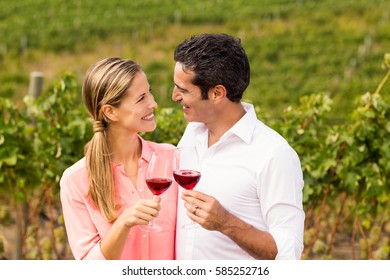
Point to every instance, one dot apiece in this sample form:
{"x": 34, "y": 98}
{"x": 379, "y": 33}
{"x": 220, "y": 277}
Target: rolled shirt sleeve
{"x": 281, "y": 195}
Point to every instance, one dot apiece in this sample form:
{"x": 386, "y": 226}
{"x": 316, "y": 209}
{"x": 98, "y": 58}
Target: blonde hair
{"x": 106, "y": 83}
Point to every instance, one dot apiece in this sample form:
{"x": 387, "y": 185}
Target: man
{"x": 248, "y": 201}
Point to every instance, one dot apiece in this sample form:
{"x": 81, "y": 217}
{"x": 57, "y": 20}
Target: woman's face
{"x": 135, "y": 112}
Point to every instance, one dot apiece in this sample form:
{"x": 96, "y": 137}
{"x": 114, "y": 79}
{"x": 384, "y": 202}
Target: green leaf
{"x": 387, "y": 58}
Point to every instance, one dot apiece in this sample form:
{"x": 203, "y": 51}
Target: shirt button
{"x": 143, "y": 235}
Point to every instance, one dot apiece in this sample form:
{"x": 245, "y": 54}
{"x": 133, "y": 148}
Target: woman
{"x": 104, "y": 195}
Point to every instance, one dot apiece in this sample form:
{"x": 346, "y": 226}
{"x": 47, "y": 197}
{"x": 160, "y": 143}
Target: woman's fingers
{"x": 142, "y": 212}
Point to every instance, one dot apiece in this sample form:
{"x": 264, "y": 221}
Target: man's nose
{"x": 176, "y": 95}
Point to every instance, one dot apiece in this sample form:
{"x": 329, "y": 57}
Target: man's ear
{"x": 109, "y": 113}
{"x": 217, "y": 93}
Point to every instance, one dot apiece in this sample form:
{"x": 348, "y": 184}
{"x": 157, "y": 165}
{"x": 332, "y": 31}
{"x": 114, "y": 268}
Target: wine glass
{"x": 186, "y": 171}
{"x": 158, "y": 179}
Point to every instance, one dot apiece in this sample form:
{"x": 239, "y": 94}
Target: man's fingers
{"x": 195, "y": 196}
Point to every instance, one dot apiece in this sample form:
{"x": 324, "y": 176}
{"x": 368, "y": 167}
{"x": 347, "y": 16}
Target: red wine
{"x": 187, "y": 178}
{"x": 158, "y": 185}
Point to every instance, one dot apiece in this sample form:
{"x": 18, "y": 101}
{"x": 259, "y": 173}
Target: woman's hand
{"x": 141, "y": 213}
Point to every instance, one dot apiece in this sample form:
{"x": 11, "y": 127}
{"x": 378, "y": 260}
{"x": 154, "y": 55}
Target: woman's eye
{"x": 141, "y": 98}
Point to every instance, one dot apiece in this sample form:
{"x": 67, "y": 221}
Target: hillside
{"x": 295, "y": 47}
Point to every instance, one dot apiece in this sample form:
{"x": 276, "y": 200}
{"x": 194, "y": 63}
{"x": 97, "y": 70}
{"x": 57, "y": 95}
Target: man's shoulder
{"x": 196, "y": 126}
{"x": 268, "y": 137}
{"x": 193, "y": 131}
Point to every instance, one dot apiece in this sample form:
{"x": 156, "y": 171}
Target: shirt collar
{"x": 146, "y": 154}
{"x": 146, "y": 151}
{"x": 243, "y": 128}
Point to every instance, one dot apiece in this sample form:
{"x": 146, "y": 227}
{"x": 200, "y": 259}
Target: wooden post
{"x": 22, "y": 209}
{"x": 36, "y": 84}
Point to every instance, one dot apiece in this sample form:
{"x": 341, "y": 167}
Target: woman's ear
{"x": 217, "y": 93}
{"x": 109, "y": 113}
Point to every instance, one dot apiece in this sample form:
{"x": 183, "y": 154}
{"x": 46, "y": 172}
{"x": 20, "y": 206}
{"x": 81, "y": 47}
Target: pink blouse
{"x": 86, "y": 226}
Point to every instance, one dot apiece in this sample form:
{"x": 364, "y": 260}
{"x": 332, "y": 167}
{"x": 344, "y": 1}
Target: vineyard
{"x": 320, "y": 72}
{"x": 296, "y": 47}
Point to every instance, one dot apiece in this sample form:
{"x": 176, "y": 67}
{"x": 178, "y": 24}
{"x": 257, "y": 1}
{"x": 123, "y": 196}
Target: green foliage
{"x": 61, "y": 128}
{"x": 14, "y": 144}
{"x": 296, "y": 48}
{"x": 170, "y": 126}
{"x": 346, "y": 169}
{"x": 39, "y": 139}
{"x": 2, "y": 250}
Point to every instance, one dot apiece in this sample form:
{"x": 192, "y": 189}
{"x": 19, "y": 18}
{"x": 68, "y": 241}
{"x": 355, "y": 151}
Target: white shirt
{"x": 254, "y": 173}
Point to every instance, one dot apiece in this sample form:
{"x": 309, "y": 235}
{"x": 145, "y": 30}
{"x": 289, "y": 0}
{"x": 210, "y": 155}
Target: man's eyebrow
{"x": 180, "y": 87}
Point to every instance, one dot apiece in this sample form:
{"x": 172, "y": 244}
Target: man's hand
{"x": 211, "y": 215}
{"x": 205, "y": 210}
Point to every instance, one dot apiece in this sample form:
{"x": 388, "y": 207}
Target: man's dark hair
{"x": 216, "y": 59}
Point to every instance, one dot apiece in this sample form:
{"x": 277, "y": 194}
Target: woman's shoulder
{"x": 77, "y": 167}
{"x": 154, "y": 146}
{"x": 75, "y": 175}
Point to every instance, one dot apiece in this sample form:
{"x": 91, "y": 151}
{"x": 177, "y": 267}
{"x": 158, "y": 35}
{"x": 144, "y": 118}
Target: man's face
{"x": 195, "y": 109}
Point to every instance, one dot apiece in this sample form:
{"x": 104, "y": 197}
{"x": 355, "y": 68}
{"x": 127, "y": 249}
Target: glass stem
{"x": 151, "y": 222}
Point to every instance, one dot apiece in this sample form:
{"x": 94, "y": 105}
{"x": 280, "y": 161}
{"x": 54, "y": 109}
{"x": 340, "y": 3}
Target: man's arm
{"x": 212, "y": 216}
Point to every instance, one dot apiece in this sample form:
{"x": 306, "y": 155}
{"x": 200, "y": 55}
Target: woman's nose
{"x": 152, "y": 103}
